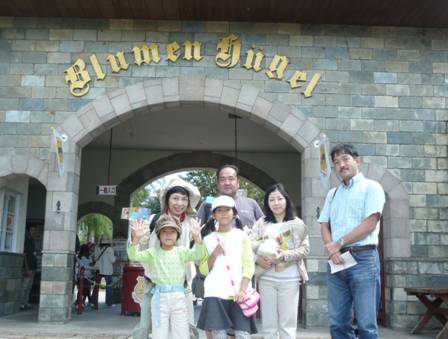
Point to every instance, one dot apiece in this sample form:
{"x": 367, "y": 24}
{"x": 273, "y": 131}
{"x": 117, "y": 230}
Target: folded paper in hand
{"x": 349, "y": 261}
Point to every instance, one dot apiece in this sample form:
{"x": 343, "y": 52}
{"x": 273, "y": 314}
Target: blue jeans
{"x": 109, "y": 289}
{"x": 355, "y": 291}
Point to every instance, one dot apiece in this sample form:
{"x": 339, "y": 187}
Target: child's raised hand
{"x": 195, "y": 230}
{"x": 139, "y": 227}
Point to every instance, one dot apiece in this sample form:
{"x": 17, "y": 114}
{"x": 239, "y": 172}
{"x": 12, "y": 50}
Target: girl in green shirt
{"x": 168, "y": 305}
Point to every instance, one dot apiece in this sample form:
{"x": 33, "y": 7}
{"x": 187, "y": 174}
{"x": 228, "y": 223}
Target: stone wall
{"x": 11, "y": 275}
{"x": 383, "y": 89}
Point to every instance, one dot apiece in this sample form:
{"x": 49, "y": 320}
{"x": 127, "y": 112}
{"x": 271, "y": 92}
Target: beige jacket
{"x": 300, "y": 238}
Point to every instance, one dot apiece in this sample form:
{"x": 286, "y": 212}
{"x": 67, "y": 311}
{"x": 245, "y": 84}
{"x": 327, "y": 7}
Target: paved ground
{"x": 108, "y": 323}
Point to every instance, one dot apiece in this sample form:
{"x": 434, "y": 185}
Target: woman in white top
{"x": 280, "y": 242}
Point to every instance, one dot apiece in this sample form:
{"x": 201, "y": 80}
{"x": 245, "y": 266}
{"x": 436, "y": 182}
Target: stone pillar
{"x": 59, "y": 238}
{"x": 313, "y": 196}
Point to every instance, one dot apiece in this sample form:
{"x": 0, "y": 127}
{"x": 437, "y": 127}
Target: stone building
{"x": 168, "y": 93}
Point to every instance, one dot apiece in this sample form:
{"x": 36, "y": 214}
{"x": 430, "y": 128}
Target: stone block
{"x": 71, "y": 46}
{"x": 58, "y": 58}
{"x": 73, "y": 126}
{"x": 375, "y": 137}
{"x": 8, "y": 103}
{"x": 229, "y": 96}
{"x": 359, "y": 77}
{"x": 107, "y": 35}
{"x": 410, "y": 102}
{"x": 17, "y": 116}
{"x": 436, "y": 176}
{"x": 386, "y": 101}
{"x": 61, "y": 34}
{"x": 36, "y": 34}
{"x": 396, "y": 66}
{"x": 33, "y": 81}
{"x": 400, "y": 138}
{"x": 191, "y": 89}
{"x": 21, "y": 69}
{"x": 120, "y": 102}
{"x": 397, "y": 90}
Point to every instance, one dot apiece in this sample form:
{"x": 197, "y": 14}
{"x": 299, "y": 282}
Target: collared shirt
{"x": 350, "y": 205}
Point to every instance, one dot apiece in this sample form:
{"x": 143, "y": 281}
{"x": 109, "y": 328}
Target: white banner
{"x": 324, "y": 160}
{"x": 59, "y": 140}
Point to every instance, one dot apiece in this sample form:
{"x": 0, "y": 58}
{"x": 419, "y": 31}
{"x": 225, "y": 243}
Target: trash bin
{"x": 131, "y": 273}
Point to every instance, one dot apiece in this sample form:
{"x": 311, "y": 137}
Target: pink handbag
{"x": 249, "y": 305}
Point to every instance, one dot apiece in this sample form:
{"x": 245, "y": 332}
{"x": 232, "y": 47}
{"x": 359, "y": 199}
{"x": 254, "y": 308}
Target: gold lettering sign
{"x": 250, "y": 62}
{"x": 117, "y": 62}
{"x": 97, "y": 67}
{"x": 227, "y": 56}
{"x": 295, "y": 78}
{"x": 229, "y": 49}
{"x": 141, "y": 55}
{"x": 277, "y": 67}
{"x": 171, "y": 51}
{"x": 78, "y": 78}
{"x": 196, "y": 47}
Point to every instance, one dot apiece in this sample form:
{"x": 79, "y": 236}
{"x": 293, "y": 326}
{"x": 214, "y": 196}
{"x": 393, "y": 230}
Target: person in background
{"x": 29, "y": 265}
{"x": 280, "y": 242}
{"x": 84, "y": 260}
{"x": 104, "y": 259}
{"x": 350, "y": 222}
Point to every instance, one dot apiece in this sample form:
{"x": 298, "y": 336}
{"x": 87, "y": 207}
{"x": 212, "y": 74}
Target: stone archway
{"x": 96, "y": 207}
{"x": 23, "y": 164}
{"x": 143, "y": 98}
{"x": 120, "y": 105}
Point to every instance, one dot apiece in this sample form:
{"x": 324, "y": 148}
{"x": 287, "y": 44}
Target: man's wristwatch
{"x": 341, "y": 241}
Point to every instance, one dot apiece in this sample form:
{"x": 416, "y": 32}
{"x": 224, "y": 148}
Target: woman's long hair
{"x": 290, "y": 212}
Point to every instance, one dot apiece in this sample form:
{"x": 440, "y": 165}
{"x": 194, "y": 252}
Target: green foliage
{"x": 204, "y": 180}
{"x": 94, "y": 226}
{"x": 143, "y": 198}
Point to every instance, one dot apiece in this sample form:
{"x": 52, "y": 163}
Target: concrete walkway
{"x": 108, "y": 323}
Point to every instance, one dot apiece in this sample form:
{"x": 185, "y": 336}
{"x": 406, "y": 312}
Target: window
{"x": 9, "y": 222}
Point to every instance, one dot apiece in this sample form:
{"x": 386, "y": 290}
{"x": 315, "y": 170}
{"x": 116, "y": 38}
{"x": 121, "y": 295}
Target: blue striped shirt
{"x": 352, "y": 204}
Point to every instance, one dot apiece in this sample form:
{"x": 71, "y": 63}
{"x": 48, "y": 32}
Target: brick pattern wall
{"x": 383, "y": 89}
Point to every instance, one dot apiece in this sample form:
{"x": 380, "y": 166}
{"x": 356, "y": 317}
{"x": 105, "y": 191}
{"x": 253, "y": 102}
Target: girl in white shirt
{"x": 229, "y": 267}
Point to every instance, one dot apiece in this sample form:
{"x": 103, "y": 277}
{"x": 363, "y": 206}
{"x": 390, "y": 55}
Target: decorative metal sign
{"x": 228, "y": 56}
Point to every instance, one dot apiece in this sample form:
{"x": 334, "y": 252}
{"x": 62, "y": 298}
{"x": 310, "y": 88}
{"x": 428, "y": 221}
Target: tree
{"x": 94, "y": 226}
{"x": 143, "y": 198}
{"x": 204, "y": 180}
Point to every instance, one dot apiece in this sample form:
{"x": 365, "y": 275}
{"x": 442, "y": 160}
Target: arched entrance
{"x": 23, "y": 181}
{"x": 156, "y": 95}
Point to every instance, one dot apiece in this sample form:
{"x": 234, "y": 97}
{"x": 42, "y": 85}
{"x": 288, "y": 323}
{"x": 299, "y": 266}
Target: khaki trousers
{"x": 279, "y": 306}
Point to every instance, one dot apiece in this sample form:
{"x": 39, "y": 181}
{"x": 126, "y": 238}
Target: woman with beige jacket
{"x": 280, "y": 242}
